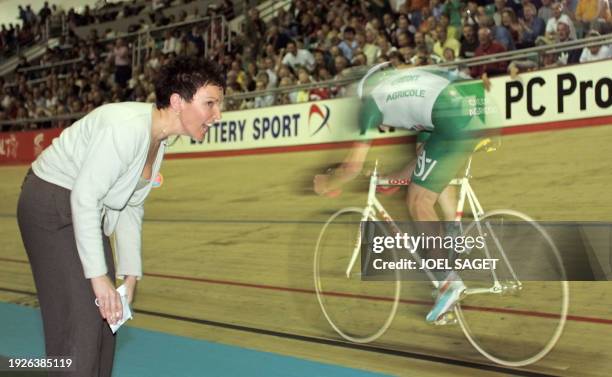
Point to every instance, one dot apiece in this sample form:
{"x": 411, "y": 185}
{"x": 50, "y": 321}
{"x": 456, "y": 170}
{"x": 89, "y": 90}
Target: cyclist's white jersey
{"x": 406, "y": 97}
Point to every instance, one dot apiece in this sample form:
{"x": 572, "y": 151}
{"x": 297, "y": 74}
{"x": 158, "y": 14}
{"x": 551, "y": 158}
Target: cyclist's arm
{"x": 348, "y": 169}
{"x": 369, "y": 117}
{"x": 351, "y": 166}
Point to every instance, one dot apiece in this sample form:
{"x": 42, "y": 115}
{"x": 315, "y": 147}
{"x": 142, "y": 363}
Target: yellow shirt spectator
{"x": 590, "y": 10}
{"x": 452, "y": 43}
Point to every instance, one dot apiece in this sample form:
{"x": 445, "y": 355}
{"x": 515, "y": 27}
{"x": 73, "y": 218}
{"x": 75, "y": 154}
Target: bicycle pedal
{"x": 446, "y": 319}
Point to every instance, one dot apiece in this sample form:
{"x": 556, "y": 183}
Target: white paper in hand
{"x": 127, "y": 313}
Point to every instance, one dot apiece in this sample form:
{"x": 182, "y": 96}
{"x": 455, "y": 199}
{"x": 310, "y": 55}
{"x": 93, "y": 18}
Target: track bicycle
{"x": 343, "y": 295}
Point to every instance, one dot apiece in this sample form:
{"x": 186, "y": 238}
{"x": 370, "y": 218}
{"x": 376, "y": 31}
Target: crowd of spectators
{"x": 315, "y": 41}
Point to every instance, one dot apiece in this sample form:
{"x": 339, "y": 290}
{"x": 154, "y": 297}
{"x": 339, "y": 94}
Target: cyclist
{"x": 448, "y": 108}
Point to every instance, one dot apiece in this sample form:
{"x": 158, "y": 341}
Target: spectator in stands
{"x": 227, "y": 8}
{"x": 254, "y": 29}
{"x": 423, "y": 57}
{"x": 428, "y": 21}
{"x": 592, "y": 14}
{"x": 323, "y": 74}
{"x": 22, "y": 14}
{"x": 196, "y": 36}
{"x": 404, "y": 39}
{"x": 170, "y": 42}
{"x": 348, "y": 43}
{"x": 120, "y": 55}
{"x": 384, "y": 47}
{"x": 564, "y": 35}
{"x": 531, "y": 27}
{"x": 511, "y": 23}
{"x": 286, "y": 98}
{"x": 396, "y": 59}
{"x": 488, "y": 46}
{"x": 30, "y": 15}
{"x": 448, "y": 55}
{"x": 322, "y": 60}
{"x": 303, "y": 95}
{"x": 370, "y": 49}
{"x": 545, "y": 12}
{"x": 407, "y": 53}
{"x": 444, "y": 42}
{"x": 262, "y": 100}
{"x": 451, "y": 31}
{"x": 44, "y": 13}
{"x": 495, "y": 10}
{"x": 340, "y": 66}
{"x": 278, "y": 39}
{"x": 270, "y": 71}
{"x": 298, "y": 57}
{"x": 419, "y": 40}
{"x": 500, "y": 33}
{"x": 239, "y": 75}
{"x": 7, "y": 98}
{"x": 559, "y": 16}
{"x": 469, "y": 42}
{"x": 471, "y": 11}
{"x": 415, "y": 9}
{"x": 594, "y": 53}
{"x": 389, "y": 23}
{"x": 403, "y": 28}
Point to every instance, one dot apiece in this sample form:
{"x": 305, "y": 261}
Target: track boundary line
{"x": 574, "y": 318}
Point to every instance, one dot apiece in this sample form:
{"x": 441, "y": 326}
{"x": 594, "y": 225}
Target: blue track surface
{"x": 150, "y": 353}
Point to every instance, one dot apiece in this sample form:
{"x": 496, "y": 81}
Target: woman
{"x": 92, "y": 182}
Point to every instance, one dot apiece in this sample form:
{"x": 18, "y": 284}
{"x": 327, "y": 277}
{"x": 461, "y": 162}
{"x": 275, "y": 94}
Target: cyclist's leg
{"x": 446, "y": 151}
{"x": 448, "y": 203}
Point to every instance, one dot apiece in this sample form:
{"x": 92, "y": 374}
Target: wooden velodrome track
{"x": 228, "y": 252}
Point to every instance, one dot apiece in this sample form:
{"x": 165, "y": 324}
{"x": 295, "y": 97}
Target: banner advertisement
{"x": 24, "y": 147}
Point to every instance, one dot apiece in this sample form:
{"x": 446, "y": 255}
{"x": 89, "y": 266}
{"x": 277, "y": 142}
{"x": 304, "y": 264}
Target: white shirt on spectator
{"x": 121, "y": 55}
{"x": 154, "y": 63}
{"x": 264, "y": 101}
{"x": 603, "y": 53}
{"x": 170, "y": 45}
{"x": 551, "y": 25}
{"x": 303, "y": 58}
{"x": 7, "y": 100}
{"x": 50, "y": 102}
{"x": 272, "y": 78}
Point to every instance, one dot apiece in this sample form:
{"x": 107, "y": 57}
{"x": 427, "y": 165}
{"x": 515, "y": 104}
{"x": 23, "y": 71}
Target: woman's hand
{"x": 107, "y": 299}
{"x": 130, "y": 284}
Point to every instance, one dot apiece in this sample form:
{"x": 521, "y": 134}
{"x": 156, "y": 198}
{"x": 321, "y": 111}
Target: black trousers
{"x": 72, "y": 323}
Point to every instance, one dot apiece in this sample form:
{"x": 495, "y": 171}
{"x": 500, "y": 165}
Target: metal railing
{"x": 356, "y": 74}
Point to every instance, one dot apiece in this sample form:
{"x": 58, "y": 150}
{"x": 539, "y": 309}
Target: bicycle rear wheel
{"x": 522, "y": 319}
{"x": 359, "y": 311}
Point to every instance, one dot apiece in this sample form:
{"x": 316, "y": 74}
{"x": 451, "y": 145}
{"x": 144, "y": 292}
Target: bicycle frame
{"x": 375, "y": 210}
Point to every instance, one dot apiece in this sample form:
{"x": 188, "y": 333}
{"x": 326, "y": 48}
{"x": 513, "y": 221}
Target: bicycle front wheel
{"x": 359, "y": 311}
{"x": 516, "y": 315}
